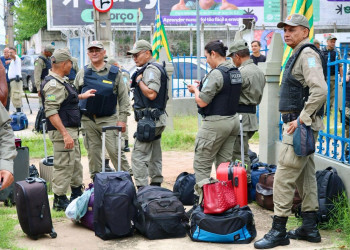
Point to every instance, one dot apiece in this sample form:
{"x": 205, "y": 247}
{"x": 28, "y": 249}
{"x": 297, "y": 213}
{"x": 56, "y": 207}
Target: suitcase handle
{"x": 35, "y": 179}
{"x": 105, "y": 128}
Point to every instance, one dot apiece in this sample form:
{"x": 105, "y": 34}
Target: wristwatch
{"x": 138, "y": 81}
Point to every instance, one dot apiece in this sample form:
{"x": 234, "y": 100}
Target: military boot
{"x": 76, "y": 192}
{"x": 126, "y": 148}
{"x": 60, "y": 203}
{"x": 308, "y": 230}
{"x": 155, "y": 184}
{"x": 18, "y": 109}
{"x": 277, "y": 236}
{"x": 107, "y": 167}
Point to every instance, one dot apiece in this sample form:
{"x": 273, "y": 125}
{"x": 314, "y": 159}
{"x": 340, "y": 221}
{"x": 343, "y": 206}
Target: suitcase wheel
{"x": 53, "y": 234}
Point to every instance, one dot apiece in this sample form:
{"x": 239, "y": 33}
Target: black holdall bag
{"x": 113, "y": 208}
{"x": 160, "y": 214}
{"x": 235, "y": 226}
{"x": 184, "y": 186}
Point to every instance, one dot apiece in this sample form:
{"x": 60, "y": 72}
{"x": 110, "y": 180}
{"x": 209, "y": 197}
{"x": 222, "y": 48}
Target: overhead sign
{"x": 181, "y": 13}
{"x": 102, "y": 5}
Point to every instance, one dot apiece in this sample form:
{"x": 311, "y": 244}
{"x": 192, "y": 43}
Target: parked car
{"x": 28, "y": 72}
{"x": 185, "y": 72}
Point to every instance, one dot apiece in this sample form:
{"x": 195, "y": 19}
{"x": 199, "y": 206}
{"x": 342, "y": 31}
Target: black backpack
{"x": 329, "y": 187}
{"x": 38, "y": 126}
{"x": 160, "y": 214}
{"x": 184, "y": 186}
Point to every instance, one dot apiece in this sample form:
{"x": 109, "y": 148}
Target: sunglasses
{"x": 137, "y": 54}
{"x": 96, "y": 50}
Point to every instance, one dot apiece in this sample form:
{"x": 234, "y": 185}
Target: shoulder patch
{"x": 311, "y": 61}
{"x": 51, "y": 98}
{"x": 52, "y": 83}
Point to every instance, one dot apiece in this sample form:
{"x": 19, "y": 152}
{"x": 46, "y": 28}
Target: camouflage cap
{"x": 139, "y": 46}
{"x": 237, "y": 46}
{"x": 331, "y": 37}
{"x": 61, "y": 55}
{"x": 96, "y": 44}
{"x": 295, "y": 20}
{"x": 49, "y": 48}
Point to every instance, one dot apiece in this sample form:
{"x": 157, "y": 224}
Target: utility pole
{"x": 9, "y": 22}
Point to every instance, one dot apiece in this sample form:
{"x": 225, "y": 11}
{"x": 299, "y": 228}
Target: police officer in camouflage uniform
{"x": 101, "y": 110}
{"x": 150, "y": 85}
{"x": 7, "y": 149}
{"x": 253, "y": 83}
{"x": 41, "y": 67}
{"x": 302, "y": 95}
{"x": 217, "y": 100}
{"x": 60, "y": 101}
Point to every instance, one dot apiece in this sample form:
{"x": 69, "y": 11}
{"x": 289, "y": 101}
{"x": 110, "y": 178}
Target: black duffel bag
{"x": 235, "y": 226}
{"x": 160, "y": 214}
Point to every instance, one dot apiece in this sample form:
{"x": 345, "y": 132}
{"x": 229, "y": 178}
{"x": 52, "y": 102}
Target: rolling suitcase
{"x": 20, "y": 172}
{"x": 114, "y": 196}
{"x": 235, "y": 172}
{"x": 33, "y": 209}
{"x": 46, "y": 164}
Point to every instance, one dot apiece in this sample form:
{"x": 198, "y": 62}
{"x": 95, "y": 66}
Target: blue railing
{"x": 333, "y": 142}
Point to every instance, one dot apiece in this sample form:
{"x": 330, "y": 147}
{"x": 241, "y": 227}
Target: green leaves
{"x": 30, "y": 16}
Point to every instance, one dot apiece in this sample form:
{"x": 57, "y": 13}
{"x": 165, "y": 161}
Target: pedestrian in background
{"x": 256, "y": 55}
{"x": 6, "y": 59}
{"x": 42, "y": 65}
{"x": 15, "y": 78}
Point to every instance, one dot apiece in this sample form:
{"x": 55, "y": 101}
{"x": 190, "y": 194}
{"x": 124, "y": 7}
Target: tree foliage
{"x": 30, "y": 16}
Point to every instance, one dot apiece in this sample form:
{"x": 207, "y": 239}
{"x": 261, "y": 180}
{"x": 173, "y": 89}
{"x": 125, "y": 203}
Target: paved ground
{"x": 72, "y": 236}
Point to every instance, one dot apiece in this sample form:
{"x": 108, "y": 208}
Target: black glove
{"x": 17, "y": 78}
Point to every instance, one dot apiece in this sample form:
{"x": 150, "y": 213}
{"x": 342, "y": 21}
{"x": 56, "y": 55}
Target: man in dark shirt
{"x": 257, "y": 56}
{"x": 5, "y": 59}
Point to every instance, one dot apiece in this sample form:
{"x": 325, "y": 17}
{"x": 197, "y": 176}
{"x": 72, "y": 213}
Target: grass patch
{"x": 340, "y": 221}
{"x": 8, "y": 221}
{"x": 183, "y": 136}
{"x": 36, "y": 146}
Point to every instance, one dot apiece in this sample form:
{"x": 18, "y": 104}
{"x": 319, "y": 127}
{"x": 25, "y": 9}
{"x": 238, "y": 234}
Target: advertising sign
{"x": 182, "y": 13}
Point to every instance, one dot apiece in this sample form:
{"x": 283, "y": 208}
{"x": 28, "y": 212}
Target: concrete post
{"x": 169, "y": 69}
{"x": 268, "y": 110}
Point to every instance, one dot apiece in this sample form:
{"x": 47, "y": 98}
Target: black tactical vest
{"x": 347, "y": 97}
{"x": 332, "y": 55}
{"x": 69, "y": 110}
{"x": 141, "y": 101}
{"x": 105, "y": 100}
{"x": 48, "y": 66}
{"x": 225, "y": 103}
{"x": 292, "y": 93}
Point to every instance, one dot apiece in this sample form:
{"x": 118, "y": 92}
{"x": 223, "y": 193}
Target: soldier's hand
{"x": 68, "y": 141}
{"x": 6, "y": 179}
{"x": 293, "y": 125}
{"x": 191, "y": 88}
{"x": 123, "y": 125}
{"x": 88, "y": 93}
{"x": 39, "y": 94}
{"x": 139, "y": 77}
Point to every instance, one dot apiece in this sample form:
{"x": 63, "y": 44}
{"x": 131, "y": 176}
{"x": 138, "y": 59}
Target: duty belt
{"x": 14, "y": 79}
{"x": 290, "y": 117}
{"x": 251, "y": 109}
